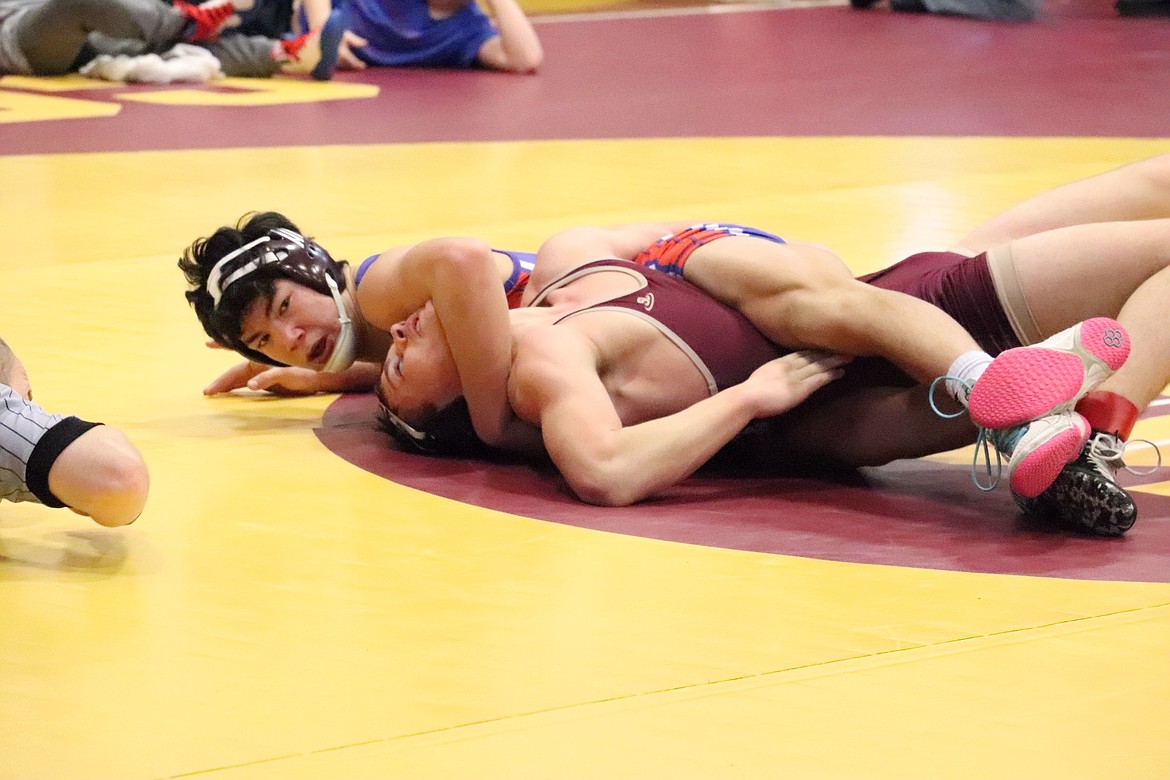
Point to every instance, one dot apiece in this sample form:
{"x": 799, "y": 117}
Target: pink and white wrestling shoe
{"x": 1027, "y": 383}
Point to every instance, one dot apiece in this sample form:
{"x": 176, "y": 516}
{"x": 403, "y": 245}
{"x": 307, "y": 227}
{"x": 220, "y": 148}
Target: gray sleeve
{"x": 30, "y": 441}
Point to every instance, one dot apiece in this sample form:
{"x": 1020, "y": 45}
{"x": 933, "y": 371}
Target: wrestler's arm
{"x": 102, "y": 476}
{"x": 400, "y": 281}
{"x": 294, "y": 380}
{"x": 555, "y": 383}
{"x": 517, "y": 48}
{"x": 461, "y": 278}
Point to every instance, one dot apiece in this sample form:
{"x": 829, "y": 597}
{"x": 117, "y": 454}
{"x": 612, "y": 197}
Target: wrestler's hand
{"x": 281, "y": 380}
{"x": 781, "y": 384}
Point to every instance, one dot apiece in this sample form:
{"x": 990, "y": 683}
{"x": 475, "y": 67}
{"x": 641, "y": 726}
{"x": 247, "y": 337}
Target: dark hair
{"x": 447, "y": 431}
{"x": 223, "y": 322}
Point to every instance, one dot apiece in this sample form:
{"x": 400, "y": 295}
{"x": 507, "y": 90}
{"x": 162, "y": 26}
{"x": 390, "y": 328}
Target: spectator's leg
{"x": 996, "y": 10}
{"x": 53, "y": 36}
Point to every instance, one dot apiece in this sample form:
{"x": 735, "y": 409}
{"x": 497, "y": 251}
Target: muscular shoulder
{"x": 548, "y": 362}
{"x": 378, "y": 280}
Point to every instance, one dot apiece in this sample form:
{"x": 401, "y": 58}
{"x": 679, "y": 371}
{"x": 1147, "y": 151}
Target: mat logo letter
{"x": 39, "y": 99}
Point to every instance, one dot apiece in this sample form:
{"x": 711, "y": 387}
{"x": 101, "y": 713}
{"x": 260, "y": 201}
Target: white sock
{"x": 964, "y": 372}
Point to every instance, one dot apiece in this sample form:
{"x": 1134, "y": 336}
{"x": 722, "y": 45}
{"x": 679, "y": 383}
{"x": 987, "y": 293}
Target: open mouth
{"x": 320, "y": 351}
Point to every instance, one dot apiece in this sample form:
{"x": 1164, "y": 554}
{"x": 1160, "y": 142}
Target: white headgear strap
{"x": 418, "y": 436}
{"x": 345, "y": 349}
{"x": 217, "y": 285}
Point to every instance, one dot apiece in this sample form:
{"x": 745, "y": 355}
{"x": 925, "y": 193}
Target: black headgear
{"x": 288, "y": 254}
{"x": 448, "y": 432}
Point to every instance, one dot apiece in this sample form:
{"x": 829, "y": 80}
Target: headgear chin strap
{"x": 345, "y": 348}
{"x": 449, "y": 431}
{"x": 407, "y": 434}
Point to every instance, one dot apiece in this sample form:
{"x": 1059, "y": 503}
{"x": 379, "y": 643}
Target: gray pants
{"x": 61, "y": 35}
{"x": 1000, "y": 10}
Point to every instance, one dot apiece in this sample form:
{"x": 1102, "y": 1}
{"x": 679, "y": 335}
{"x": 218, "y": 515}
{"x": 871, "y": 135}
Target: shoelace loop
{"x": 934, "y": 407}
{"x": 986, "y": 442}
{"x": 1108, "y": 449}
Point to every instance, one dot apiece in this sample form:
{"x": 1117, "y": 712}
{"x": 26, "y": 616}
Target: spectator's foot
{"x": 208, "y": 19}
{"x": 315, "y": 53}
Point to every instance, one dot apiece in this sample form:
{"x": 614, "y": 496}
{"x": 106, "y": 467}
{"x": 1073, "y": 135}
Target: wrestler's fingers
{"x": 285, "y": 380}
{"x": 234, "y": 378}
{"x": 271, "y": 379}
{"x": 826, "y": 360}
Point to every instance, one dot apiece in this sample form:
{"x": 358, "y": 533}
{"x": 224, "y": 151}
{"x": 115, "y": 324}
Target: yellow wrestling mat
{"x": 279, "y": 613}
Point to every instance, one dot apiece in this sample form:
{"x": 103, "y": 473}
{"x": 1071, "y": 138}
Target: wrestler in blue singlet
{"x": 522, "y": 264}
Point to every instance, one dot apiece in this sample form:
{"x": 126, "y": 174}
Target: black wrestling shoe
{"x": 1143, "y": 7}
{"x": 1085, "y": 495}
{"x": 862, "y": 3}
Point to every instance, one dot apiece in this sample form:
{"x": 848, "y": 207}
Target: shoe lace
{"x": 1106, "y": 452}
{"x": 999, "y": 440}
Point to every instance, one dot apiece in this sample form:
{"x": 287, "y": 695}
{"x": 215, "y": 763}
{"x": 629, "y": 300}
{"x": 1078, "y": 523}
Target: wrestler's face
{"x": 419, "y": 375}
{"x": 297, "y": 326}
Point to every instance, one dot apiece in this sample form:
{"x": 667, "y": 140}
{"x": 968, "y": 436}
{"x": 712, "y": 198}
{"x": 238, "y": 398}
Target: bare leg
{"x": 1140, "y": 190}
{"x": 1116, "y": 269}
{"x": 803, "y": 296}
{"x": 1120, "y": 269}
{"x": 860, "y": 420}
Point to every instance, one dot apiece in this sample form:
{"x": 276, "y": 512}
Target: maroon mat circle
{"x": 913, "y": 513}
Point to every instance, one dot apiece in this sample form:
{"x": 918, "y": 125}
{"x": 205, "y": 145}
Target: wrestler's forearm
{"x": 470, "y": 304}
{"x": 629, "y": 464}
